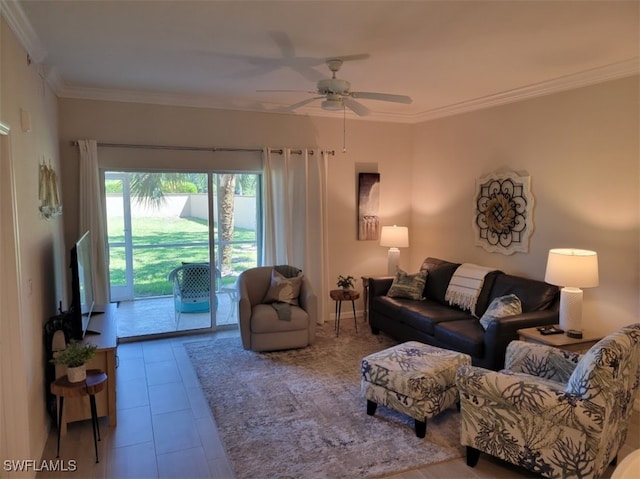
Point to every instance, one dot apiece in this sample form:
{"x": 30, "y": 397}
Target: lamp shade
{"x": 394, "y": 236}
{"x": 577, "y": 268}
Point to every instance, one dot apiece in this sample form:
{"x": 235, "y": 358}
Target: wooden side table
{"x": 340, "y": 295}
{"x": 560, "y": 341}
{"x": 95, "y": 382}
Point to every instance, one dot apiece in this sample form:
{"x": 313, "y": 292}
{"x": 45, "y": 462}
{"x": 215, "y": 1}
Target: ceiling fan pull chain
{"x": 344, "y": 128}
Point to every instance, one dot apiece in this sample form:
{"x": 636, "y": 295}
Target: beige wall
{"x": 371, "y": 146}
{"x": 41, "y": 250}
{"x": 581, "y": 150}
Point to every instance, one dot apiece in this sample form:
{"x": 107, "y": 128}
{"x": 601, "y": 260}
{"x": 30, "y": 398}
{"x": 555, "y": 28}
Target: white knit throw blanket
{"x": 465, "y": 286}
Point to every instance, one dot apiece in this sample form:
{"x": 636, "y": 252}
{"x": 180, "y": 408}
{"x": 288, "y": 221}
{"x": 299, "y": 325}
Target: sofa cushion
{"x": 410, "y": 286}
{"x": 466, "y": 336}
{"x": 420, "y": 315}
{"x": 534, "y": 295}
{"x": 501, "y": 307}
{"x": 484, "y": 298}
{"x": 438, "y": 277}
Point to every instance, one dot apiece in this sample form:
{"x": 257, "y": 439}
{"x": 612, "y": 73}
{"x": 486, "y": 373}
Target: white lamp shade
{"x": 576, "y": 268}
{"x": 394, "y": 236}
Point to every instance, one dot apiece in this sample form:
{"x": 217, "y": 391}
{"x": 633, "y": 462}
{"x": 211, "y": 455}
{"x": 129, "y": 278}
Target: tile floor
{"x": 153, "y": 316}
{"x": 166, "y": 430}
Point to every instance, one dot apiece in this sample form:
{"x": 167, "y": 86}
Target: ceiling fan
{"x": 336, "y": 93}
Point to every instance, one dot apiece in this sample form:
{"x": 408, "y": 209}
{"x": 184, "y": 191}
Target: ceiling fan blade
{"x": 308, "y": 73}
{"x": 358, "y": 108}
{"x": 382, "y": 97}
{"x": 284, "y": 43}
{"x": 287, "y": 91}
{"x": 303, "y": 102}
{"x": 348, "y": 58}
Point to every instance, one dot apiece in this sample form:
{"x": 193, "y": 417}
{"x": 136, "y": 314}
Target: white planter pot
{"x": 77, "y": 374}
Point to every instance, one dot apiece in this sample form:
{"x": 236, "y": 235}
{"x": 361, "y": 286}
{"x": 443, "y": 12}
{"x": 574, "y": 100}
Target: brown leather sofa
{"x": 433, "y": 321}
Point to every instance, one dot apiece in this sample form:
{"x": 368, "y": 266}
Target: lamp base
{"x": 571, "y": 309}
{"x": 393, "y": 259}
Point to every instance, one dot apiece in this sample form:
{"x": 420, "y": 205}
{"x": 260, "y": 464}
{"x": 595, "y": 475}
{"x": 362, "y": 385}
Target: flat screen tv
{"x": 82, "y": 301}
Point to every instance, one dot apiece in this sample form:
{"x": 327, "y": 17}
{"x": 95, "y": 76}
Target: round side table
{"x": 340, "y": 295}
{"x": 95, "y": 382}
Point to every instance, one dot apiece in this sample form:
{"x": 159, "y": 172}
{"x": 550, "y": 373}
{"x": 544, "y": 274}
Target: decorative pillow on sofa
{"x": 409, "y": 286}
{"x": 282, "y": 289}
{"x": 501, "y": 307}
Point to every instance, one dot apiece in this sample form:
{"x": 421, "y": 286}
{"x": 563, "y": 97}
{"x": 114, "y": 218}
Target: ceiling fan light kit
{"x": 333, "y": 85}
{"x": 332, "y": 104}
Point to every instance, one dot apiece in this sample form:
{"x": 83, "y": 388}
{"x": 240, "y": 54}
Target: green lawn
{"x": 162, "y": 244}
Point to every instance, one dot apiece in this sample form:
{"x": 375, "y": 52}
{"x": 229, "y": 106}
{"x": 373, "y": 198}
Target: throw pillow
{"x": 501, "y": 307}
{"x": 283, "y": 290}
{"x": 409, "y": 286}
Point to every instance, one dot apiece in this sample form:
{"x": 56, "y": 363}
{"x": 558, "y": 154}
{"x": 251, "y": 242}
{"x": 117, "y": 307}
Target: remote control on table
{"x": 546, "y": 330}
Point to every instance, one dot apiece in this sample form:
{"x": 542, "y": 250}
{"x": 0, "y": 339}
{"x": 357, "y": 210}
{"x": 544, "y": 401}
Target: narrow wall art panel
{"x": 503, "y": 213}
{"x": 368, "y": 204}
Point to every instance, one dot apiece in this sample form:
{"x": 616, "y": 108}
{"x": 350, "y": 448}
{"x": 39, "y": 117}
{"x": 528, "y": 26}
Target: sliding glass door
{"x": 159, "y": 226}
{"x": 118, "y": 203}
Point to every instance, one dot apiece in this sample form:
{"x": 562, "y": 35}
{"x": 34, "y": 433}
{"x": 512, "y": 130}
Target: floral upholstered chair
{"x": 555, "y": 413}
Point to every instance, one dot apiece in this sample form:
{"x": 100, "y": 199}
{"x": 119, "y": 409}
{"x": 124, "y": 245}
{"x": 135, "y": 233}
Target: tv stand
{"x": 105, "y": 338}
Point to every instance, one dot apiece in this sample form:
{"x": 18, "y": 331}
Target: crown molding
{"x": 568, "y": 82}
{"x": 19, "y": 23}
{"x": 159, "y": 98}
{"x": 52, "y": 76}
{"x": 204, "y": 101}
{"x": 610, "y": 72}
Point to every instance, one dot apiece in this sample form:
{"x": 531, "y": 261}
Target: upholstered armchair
{"x": 555, "y": 413}
{"x": 276, "y": 312}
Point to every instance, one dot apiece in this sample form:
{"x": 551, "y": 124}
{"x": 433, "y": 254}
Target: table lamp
{"x": 394, "y": 237}
{"x": 572, "y": 269}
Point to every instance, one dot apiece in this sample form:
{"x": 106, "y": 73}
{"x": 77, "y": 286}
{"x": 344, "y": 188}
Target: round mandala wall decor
{"x": 503, "y": 213}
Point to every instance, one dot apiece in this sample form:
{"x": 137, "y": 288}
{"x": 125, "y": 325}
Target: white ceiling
{"x": 449, "y": 56}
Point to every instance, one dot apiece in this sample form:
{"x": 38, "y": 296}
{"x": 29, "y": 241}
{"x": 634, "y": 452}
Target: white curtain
{"x": 295, "y": 215}
{"x": 92, "y": 217}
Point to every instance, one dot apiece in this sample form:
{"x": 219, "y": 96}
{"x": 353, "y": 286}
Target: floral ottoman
{"x": 412, "y": 378}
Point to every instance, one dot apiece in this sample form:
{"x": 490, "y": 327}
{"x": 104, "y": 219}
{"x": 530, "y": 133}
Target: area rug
{"x": 300, "y": 413}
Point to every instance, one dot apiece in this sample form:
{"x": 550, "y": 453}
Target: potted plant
{"x": 346, "y": 282}
{"x": 75, "y": 357}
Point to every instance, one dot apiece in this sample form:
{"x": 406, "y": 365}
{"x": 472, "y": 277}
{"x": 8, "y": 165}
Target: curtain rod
{"x": 194, "y": 148}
